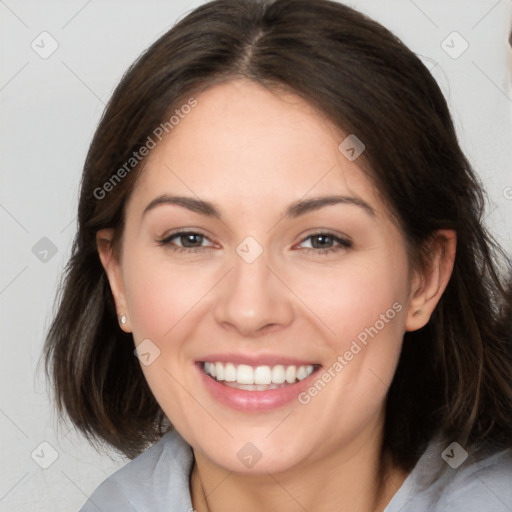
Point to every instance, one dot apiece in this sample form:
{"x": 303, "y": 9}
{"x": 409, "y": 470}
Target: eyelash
{"x": 166, "y": 242}
{"x": 343, "y": 243}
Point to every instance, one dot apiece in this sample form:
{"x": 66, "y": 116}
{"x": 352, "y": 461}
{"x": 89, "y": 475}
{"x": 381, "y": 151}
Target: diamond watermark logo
{"x": 249, "y": 455}
{"x": 454, "y": 45}
{"x": 249, "y": 249}
{"x": 44, "y": 250}
{"x": 44, "y": 45}
{"x": 351, "y": 147}
{"x": 146, "y": 351}
{"x": 44, "y": 455}
{"x": 454, "y": 455}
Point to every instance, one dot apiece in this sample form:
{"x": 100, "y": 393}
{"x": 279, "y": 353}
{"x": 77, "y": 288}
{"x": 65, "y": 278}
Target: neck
{"x": 361, "y": 481}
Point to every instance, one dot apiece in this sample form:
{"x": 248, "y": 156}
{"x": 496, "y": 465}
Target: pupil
{"x": 191, "y": 240}
{"x": 320, "y": 241}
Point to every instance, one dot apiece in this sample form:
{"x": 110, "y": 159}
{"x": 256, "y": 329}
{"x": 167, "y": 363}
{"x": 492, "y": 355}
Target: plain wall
{"x": 49, "y": 110}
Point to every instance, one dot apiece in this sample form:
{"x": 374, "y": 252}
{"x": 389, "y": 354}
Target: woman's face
{"x": 288, "y": 263}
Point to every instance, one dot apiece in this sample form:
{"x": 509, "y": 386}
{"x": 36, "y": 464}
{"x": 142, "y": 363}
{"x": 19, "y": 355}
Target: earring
{"x": 123, "y": 319}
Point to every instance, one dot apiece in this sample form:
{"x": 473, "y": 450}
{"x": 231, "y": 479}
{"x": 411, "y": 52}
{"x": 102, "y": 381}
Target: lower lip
{"x": 243, "y": 400}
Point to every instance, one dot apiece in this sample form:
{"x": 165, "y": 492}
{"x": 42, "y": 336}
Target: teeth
{"x": 291, "y": 374}
{"x": 259, "y": 378}
{"x": 244, "y": 374}
{"x": 262, "y": 375}
{"x": 219, "y": 371}
{"x": 301, "y": 373}
{"x": 278, "y": 375}
{"x": 230, "y": 373}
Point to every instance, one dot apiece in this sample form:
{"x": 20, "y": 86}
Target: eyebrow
{"x": 195, "y": 205}
{"x": 296, "y": 209}
{"x": 305, "y": 206}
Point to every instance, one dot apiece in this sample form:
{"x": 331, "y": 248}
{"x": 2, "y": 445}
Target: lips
{"x": 248, "y": 384}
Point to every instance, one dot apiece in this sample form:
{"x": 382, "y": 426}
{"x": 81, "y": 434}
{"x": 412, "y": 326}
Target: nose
{"x": 253, "y": 300}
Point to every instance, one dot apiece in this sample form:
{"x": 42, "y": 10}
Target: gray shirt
{"x": 158, "y": 481}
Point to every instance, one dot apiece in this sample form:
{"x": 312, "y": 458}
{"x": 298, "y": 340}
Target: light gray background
{"x": 49, "y": 110}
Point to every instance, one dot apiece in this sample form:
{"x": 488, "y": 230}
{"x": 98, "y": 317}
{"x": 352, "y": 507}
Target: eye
{"x": 186, "y": 241}
{"x": 323, "y": 243}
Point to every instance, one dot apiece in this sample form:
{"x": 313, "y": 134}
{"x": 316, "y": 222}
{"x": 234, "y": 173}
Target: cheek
{"x": 352, "y": 298}
{"x": 161, "y": 295}
{"x": 362, "y": 307}
{"x": 164, "y": 303}
{"x": 362, "y": 360}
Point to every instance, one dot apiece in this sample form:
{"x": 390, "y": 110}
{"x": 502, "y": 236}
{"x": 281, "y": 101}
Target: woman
{"x": 276, "y": 215}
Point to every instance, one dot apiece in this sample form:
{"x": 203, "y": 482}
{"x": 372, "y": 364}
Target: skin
{"x": 252, "y": 153}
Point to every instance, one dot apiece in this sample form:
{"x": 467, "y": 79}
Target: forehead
{"x": 242, "y": 143}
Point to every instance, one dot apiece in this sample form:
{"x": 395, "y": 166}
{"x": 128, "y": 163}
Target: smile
{"x": 258, "y": 378}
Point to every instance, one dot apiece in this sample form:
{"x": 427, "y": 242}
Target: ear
{"x": 111, "y": 264}
{"x": 428, "y": 286}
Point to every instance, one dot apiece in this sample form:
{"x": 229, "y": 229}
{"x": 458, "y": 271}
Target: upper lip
{"x": 257, "y": 360}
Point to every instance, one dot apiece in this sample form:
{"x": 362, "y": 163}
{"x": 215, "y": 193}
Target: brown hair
{"x": 454, "y": 376}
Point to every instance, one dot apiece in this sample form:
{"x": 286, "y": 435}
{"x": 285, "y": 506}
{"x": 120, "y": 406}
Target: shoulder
{"x": 447, "y": 478}
{"x": 484, "y": 485}
{"x": 158, "y": 479}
